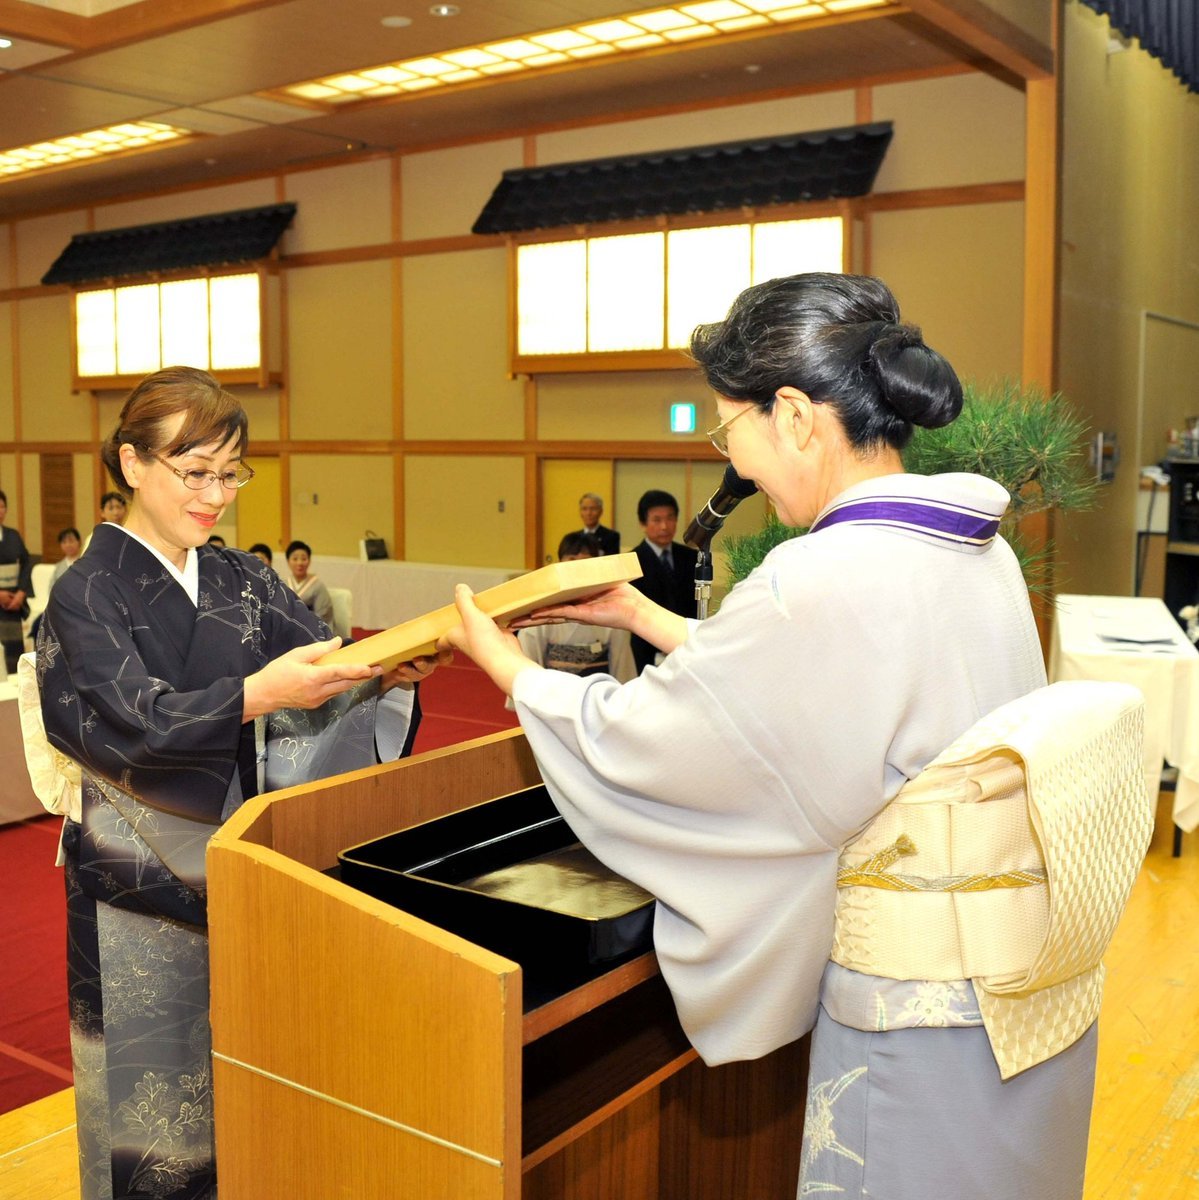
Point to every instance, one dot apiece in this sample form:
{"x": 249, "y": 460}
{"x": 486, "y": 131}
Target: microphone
{"x": 733, "y": 489}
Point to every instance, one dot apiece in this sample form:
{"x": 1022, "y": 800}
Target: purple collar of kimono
{"x": 937, "y": 519}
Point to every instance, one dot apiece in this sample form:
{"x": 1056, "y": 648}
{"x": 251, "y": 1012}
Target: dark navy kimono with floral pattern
{"x": 145, "y": 691}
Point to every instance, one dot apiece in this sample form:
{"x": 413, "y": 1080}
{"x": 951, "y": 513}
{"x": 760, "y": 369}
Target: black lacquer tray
{"x": 510, "y": 875}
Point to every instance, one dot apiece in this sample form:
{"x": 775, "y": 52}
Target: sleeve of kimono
{"x": 620, "y": 657}
{"x": 322, "y": 602}
{"x": 723, "y": 782}
{"x": 102, "y": 707}
{"x": 348, "y": 732}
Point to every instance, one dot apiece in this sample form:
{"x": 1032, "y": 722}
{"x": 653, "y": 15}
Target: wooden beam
{"x": 1002, "y": 192}
{"x": 1042, "y": 219}
{"x": 1041, "y": 224}
{"x": 984, "y": 30}
{"x": 45, "y": 25}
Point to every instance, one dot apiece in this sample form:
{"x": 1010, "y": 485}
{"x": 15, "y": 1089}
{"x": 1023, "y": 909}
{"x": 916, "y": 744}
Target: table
{"x": 388, "y": 591}
{"x": 1135, "y": 640}
{"x": 17, "y": 801}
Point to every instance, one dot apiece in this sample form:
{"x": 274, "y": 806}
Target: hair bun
{"x": 914, "y": 379}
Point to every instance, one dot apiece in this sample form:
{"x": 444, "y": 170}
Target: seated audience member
{"x": 71, "y": 545}
{"x": 113, "y": 508}
{"x": 16, "y": 586}
{"x": 579, "y": 649}
{"x": 263, "y": 551}
{"x": 217, "y": 541}
{"x": 307, "y": 586}
{"x": 113, "y": 511}
{"x": 668, "y": 567}
{"x": 591, "y": 508}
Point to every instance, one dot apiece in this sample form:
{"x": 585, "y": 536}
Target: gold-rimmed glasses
{"x": 719, "y": 437}
{"x": 198, "y": 480}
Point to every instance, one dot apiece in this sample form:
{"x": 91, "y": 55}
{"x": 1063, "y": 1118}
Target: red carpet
{"x": 459, "y": 703}
{"x": 35, "y": 1058}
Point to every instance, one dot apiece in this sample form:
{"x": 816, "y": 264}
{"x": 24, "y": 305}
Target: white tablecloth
{"x": 1137, "y": 641}
{"x": 387, "y": 592}
{"x": 17, "y": 800}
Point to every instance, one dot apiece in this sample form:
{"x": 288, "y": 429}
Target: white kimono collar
{"x": 959, "y": 508}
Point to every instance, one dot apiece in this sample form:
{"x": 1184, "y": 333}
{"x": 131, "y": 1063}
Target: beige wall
{"x": 455, "y": 342}
{"x": 430, "y": 208}
{"x": 87, "y": 499}
{"x": 48, "y": 408}
{"x": 335, "y": 498}
{"x": 426, "y": 334}
{"x": 452, "y": 509}
{"x": 937, "y": 142}
{"x": 957, "y": 275}
{"x": 1129, "y": 181}
{"x": 342, "y": 206}
{"x": 622, "y": 406}
{"x": 339, "y": 336}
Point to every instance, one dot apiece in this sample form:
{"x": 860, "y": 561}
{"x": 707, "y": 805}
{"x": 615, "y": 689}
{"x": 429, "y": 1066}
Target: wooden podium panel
{"x": 360, "y": 1052}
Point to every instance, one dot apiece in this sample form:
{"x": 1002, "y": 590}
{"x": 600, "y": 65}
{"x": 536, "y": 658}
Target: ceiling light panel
{"x": 626, "y": 34}
{"x": 85, "y": 147}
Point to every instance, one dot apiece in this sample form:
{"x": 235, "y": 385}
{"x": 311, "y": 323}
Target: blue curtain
{"x": 1167, "y": 29}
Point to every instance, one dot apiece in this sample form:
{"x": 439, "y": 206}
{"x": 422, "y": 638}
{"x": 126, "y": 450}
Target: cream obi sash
{"x": 1008, "y": 861}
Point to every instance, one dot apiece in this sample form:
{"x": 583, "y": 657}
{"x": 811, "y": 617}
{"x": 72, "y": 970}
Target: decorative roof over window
{"x": 823, "y": 165}
{"x": 216, "y": 240}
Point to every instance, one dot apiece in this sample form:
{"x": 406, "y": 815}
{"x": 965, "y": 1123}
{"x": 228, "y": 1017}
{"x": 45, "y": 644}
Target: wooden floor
{"x": 1145, "y": 1128}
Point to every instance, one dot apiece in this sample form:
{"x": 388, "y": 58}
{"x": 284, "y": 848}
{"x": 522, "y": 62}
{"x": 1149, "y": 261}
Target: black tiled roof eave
{"x": 757, "y": 172}
{"x": 215, "y": 240}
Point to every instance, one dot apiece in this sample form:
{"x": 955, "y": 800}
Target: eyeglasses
{"x": 198, "y": 480}
{"x": 719, "y": 436}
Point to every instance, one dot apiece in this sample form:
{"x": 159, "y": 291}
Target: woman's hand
{"x": 616, "y": 608}
{"x": 293, "y": 680}
{"x": 495, "y": 650}
{"x": 414, "y": 671}
{"x": 621, "y": 607}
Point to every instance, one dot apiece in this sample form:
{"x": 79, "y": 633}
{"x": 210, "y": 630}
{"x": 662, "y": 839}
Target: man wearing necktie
{"x": 668, "y": 567}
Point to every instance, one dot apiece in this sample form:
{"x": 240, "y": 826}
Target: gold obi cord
{"x": 875, "y": 873}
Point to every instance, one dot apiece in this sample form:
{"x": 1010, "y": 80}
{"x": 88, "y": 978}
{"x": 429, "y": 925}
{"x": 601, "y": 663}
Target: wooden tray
{"x": 553, "y": 584}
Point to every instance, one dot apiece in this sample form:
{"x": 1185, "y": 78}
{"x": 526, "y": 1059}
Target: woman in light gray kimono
{"x": 727, "y": 779}
{"x": 182, "y": 678}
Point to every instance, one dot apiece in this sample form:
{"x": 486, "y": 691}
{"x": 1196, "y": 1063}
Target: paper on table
{"x": 553, "y": 584}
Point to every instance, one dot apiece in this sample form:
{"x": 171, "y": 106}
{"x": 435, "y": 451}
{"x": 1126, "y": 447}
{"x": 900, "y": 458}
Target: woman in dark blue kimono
{"x": 182, "y": 677}
{"x": 16, "y": 586}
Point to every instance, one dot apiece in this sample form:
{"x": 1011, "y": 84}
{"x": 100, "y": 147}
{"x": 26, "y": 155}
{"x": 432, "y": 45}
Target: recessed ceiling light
{"x": 5, "y": 43}
{"x": 444, "y": 10}
{"x": 396, "y": 22}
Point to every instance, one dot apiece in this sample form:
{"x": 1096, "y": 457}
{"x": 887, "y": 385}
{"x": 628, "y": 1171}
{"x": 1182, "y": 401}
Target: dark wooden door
{"x": 58, "y": 501}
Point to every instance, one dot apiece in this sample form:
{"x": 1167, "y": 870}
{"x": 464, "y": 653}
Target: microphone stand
{"x": 703, "y": 584}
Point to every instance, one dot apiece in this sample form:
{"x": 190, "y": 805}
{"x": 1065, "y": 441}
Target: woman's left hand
{"x": 414, "y": 671}
{"x": 494, "y": 649}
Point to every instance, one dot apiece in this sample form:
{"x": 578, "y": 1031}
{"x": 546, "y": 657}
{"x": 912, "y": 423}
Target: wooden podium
{"x": 361, "y": 1052}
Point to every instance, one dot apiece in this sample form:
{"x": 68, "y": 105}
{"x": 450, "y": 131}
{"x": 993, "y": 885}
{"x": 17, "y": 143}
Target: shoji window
{"x": 630, "y": 301}
{"x": 212, "y": 322}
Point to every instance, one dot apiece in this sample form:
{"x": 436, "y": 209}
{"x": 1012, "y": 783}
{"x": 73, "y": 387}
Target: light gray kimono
{"x": 726, "y": 781}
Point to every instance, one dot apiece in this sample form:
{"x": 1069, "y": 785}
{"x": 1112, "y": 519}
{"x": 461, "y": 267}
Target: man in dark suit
{"x": 591, "y": 508}
{"x": 668, "y": 566}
